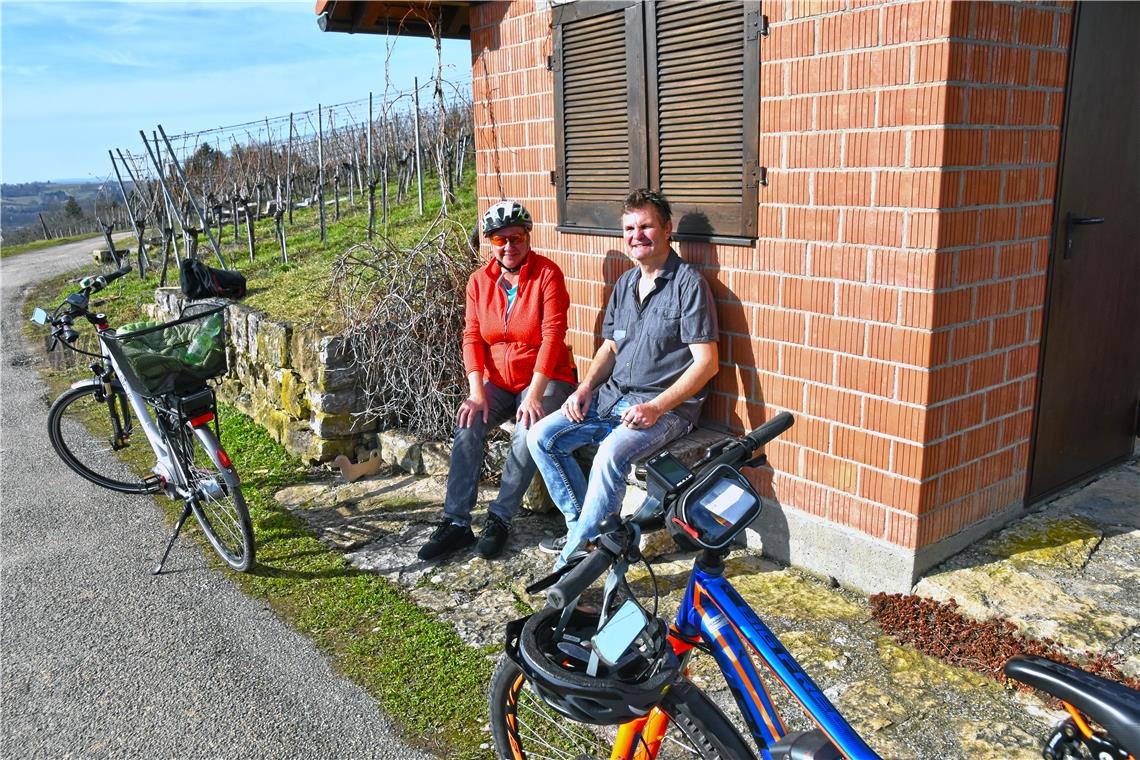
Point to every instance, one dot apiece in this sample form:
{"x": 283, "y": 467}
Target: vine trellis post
{"x": 321, "y": 167}
{"x": 190, "y": 195}
{"x": 416, "y": 122}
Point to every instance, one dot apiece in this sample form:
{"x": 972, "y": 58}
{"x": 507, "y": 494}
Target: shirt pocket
{"x": 664, "y": 323}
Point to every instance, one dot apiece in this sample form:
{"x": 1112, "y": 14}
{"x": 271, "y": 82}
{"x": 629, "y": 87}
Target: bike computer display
{"x": 669, "y": 472}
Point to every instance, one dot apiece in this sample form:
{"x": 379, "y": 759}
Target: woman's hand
{"x": 530, "y": 411}
{"x": 475, "y": 404}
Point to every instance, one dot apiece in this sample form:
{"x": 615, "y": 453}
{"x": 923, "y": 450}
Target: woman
{"x": 514, "y": 353}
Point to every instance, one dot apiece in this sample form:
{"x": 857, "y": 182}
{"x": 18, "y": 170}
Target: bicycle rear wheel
{"x": 81, "y": 431}
{"x": 215, "y": 494}
{"x": 523, "y": 726}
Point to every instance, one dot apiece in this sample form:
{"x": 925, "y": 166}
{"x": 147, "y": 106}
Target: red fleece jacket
{"x": 508, "y": 350}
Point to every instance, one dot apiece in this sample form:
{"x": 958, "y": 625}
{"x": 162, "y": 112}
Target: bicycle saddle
{"x": 1111, "y": 704}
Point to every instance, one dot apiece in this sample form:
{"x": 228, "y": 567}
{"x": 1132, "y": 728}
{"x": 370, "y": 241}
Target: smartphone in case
{"x": 615, "y": 637}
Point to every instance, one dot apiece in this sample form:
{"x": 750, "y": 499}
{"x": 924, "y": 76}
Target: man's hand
{"x": 578, "y": 403}
{"x": 471, "y": 406}
{"x": 530, "y": 411}
{"x": 641, "y": 416}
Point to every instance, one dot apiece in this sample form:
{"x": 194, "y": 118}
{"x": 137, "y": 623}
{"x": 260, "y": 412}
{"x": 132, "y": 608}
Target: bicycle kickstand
{"x": 170, "y": 543}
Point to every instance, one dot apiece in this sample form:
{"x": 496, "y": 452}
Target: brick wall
{"x": 894, "y": 299}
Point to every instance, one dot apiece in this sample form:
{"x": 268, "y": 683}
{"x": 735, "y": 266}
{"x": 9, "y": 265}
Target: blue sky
{"x": 81, "y": 78}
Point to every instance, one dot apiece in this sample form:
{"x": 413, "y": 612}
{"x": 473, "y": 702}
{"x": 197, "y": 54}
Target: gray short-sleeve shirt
{"x": 653, "y": 341}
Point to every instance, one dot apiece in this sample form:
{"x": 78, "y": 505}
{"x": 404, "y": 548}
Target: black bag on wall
{"x": 201, "y": 281}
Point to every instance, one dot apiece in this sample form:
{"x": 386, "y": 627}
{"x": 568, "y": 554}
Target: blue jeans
{"x": 584, "y": 504}
{"x": 467, "y": 455}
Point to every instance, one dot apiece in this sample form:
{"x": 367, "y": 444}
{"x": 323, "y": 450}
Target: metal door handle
{"x": 1072, "y": 220}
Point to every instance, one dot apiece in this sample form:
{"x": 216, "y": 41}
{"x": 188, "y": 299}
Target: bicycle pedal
{"x": 153, "y": 483}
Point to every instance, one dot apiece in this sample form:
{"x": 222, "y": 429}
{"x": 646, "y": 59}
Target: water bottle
{"x": 204, "y": 341}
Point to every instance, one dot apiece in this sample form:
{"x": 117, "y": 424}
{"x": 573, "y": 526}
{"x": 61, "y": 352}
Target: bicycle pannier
{"x": 201, "y": 281}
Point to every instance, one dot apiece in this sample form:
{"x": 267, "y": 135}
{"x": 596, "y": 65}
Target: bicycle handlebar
{"x": 577, "y": 580}
{"x": 735, "y": 452}
{"x": 767, "y": 432}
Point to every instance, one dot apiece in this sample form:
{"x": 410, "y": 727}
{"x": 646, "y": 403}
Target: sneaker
{"x": 493, "y": 538}
{"x": 445, "y": 539}
{"x": 552, "y": 545}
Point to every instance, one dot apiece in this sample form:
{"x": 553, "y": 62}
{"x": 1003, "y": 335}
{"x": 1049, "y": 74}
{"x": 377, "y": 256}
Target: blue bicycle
{"x": 582, "y": 680}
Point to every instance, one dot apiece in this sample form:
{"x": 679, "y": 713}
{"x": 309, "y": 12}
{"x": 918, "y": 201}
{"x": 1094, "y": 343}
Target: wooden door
{"x": 1089, "y": 387}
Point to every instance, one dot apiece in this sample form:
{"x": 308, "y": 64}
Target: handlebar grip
{"x": 770, "y": 429}
{"x": 109, "y": 278}
{"x": 588, "y": 570}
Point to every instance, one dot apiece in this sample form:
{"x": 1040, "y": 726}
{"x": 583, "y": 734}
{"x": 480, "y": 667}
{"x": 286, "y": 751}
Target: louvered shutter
{"x": 593, "y": 115}
{"x": 704, "y": 102}
{"x": 663, "y": 95}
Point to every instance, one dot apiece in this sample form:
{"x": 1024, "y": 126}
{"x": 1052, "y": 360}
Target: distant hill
{"x": 21, "y": 202}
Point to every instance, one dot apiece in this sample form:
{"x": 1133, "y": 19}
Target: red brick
{"x": 987, "y": 372}
{"x": 853, "y": 373}
{"x": 845, "y": 110}
{"x": 994, "y": 21}
{"x": 912, "y": 106}
{"x": 864, "y": 149}
{"x": 836, "y": 405}
{"x": 784, "y": 392}
{"x": 781, "y": 324}
{"x": 915, "y": 189}
{"x": 839, "y": 262}
{"x": 807, "y": 363}
{"x": 816, "y": 296}
{"x": 878, "y": 68}
{"x": 813, "y": 224}
{"x": 814, "y": 150}
{"x": 837, "y": 335}
{"x": 867, "y": 302}
{"x": 981, "y": 188}
{"x": 843, "y": 188}
{"x": 898, "y": 344}
{"x": 862, "y": 447}
{"x": 873, "y": 227}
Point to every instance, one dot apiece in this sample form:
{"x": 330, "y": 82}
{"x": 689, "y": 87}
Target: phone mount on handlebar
{"x": 714, "y": 510}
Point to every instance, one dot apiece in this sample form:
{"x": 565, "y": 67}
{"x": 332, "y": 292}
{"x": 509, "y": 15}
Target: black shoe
{"x": 552, "y": 545}
{"x": 445, "y": 539}
{"x": 493, "y": 538}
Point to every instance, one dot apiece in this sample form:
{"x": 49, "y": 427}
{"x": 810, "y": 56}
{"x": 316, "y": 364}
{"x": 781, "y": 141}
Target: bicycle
{"x": 155, "y": 376}
{"x": 1089, "y": 700}
{"x": 610, "y": 680}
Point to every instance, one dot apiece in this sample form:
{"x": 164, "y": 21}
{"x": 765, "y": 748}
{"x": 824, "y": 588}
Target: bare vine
{"x": 403, "y": 312}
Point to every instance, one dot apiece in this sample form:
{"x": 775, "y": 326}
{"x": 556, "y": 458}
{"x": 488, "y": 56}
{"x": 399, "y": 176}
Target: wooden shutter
{"x": 592, "y": 110}
{"x": 704, "y": 102}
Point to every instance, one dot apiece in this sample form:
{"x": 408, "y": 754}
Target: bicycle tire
{"x": 215, "y": 494}
{"x": 81, "y": 432}
{"x": 523, "y": 726}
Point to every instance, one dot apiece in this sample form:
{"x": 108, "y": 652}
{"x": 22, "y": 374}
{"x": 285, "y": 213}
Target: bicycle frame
{"x": 715, "y": 613}
{"x": 174, "y": 481}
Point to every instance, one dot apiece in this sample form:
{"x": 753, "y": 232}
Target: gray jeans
{"x": 467, "y": 452}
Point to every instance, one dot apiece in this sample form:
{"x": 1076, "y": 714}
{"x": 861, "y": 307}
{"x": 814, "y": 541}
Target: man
{"x": 514, "y": 352}
{"x": 645, "y": 385}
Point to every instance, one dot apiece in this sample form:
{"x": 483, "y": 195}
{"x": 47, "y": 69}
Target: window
{"x": 663, "y": 95}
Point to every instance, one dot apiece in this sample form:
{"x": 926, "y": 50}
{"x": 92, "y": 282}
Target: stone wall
{"x": 294, "y": 380}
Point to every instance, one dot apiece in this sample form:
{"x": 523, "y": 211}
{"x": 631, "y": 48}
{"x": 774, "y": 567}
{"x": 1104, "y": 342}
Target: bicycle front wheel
{"x": 215, "y": 495}
{"x": 523, "y": 726}
{"x": 82, "y": 431}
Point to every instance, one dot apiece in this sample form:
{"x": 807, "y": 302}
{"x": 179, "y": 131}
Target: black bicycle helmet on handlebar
{"x": 556, "y": 667}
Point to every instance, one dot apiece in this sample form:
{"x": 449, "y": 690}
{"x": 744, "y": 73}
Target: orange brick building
{"x": 897, "y": 257}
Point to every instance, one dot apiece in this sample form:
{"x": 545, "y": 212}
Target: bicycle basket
{"x": 714, "y": 510}
{"x": 174, "y": 357}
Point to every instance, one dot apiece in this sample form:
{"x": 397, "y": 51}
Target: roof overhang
{"x": 411, "y": 17}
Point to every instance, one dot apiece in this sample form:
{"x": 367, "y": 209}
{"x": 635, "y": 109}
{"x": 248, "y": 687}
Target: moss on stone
{"x": 794, "y": 596}
{"x": 1055, "y": 543}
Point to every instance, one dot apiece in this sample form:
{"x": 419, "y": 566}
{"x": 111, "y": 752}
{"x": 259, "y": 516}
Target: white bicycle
{"x": 155, "y": 376}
